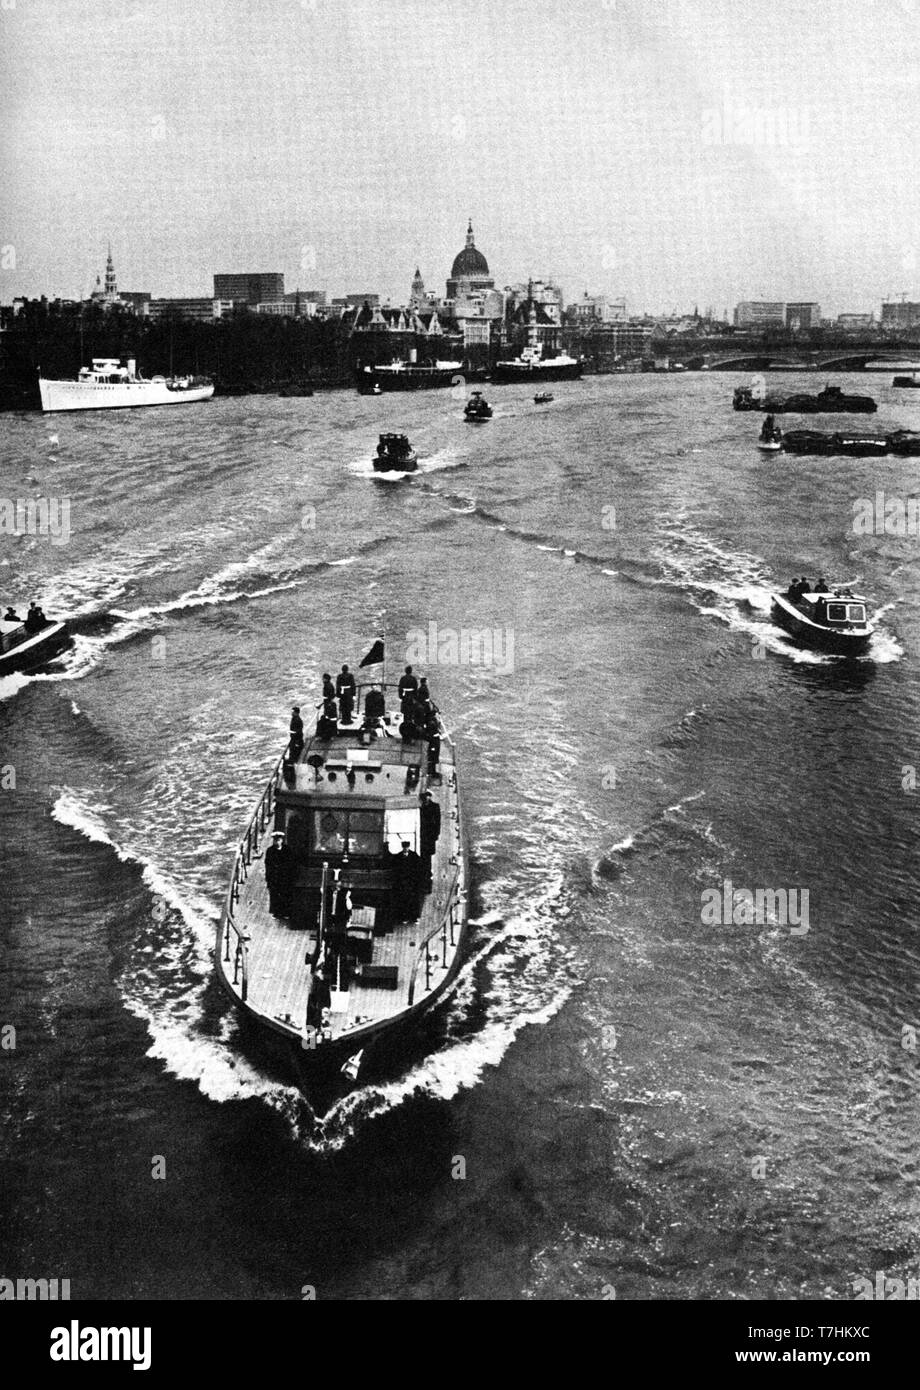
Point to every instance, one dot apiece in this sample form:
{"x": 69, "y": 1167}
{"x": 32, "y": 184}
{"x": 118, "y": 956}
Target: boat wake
{"x": 734, "y": 588}
{"x": 517, "y": 971}
{"x": 167, "y": 977}
{"x": 169, "y": 971}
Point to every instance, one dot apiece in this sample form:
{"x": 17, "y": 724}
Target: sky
{"x": 672, "y": 152}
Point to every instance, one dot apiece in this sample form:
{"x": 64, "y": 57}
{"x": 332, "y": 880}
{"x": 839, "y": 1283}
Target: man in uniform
{"x": 405, "y": 877}
{"x": 408, "y": 685}
{"x": 430, "y": 823}
{"x": 296, "y": 744}
{"x": 278, "y": 876}
{"x": 346, "y": 690}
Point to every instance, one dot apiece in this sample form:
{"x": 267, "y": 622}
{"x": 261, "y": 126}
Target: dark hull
{"x": 413, "y": 379}
{"x": 817, "y": 638}
{"x": 510, "y": 372}
{"x": 907, "y": 382}
{"x": 32, "y": 655}
{"x": 836, "y": 445}
{"x": 395, "y": 465}
{"x": 810, "y": 405}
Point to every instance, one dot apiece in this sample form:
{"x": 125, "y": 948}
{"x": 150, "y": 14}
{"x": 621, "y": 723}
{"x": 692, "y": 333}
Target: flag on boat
{"x": 351, "y": 1067}
{"x": 374, "y": 655}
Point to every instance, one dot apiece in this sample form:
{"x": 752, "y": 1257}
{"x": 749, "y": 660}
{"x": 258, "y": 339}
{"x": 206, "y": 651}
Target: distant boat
{"x": 543, "y": 398}
{"x": 853, "y": 445}
{"x": 408, "y": 376}
{"x": 832, "y": 619}
{"x": 908, "y": 381}
{"x": 771, "y": 437}
{"x": 832, "y": 400}
{"x": 477, "y": 409}
{"x": 110, "y": 385}
{"x": 395, "y": 455}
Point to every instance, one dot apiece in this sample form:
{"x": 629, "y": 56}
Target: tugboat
{"x": 543, "y": 398}
{"x": 831, "y": 619}
{"x": 771, "y": 437}
{"x": 477, "y": 409}
{"x": 355, "y": 923}
{"x": 395, "y": 455}
{"x": 832, "y": 400}
{"x": 26, "y": 643}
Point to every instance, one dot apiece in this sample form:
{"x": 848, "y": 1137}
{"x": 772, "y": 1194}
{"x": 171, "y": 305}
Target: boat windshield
{"x": 846, "y": 613}
{"x": 350, "y": 832}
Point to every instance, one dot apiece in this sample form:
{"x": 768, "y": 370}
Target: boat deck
{"x": 277, "y": 953}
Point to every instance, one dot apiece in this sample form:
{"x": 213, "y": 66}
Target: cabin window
{"x": 347, "y": 832}
{"x": 365, "y": 832}
{"x": 329, "y": 831}
{"x": 837, "y": 612}
{"x": 856, "y": 613}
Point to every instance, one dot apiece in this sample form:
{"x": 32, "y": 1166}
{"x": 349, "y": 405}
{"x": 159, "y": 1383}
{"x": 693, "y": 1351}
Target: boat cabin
{"x": 839, "y": 608}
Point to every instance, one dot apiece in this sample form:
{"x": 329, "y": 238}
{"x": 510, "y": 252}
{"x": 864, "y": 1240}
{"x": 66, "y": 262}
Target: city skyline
{"x": 631, "y": 153}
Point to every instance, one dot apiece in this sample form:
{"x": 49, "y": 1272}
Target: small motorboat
{"x": 477, "y": 409}
{"x": 543, "y": 398}
{"x": 395, "y": 455}
{"x": 771, "y": 437}
{"x": 831, "y": 619}
{"x": 907, "y": 381}
{"x": 28, "y": 643}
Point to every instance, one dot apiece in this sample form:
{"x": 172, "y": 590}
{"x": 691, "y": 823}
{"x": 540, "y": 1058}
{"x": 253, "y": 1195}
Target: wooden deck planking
{"x": 278, "y": 977}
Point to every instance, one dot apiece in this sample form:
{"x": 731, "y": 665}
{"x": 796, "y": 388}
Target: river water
{"x": 617, "y": 1096}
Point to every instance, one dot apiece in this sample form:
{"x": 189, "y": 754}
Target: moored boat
{"x": 411, "y": 376}
{"x": 831, "y": 619}
{"x": 854, "y": 445}
{"x": 832, "y": 400}
{"x": 110, "y": 384}
{"x": 907, "y": 381}
{"x": 477, "y": 409}
{"x": 346, "y": 911}
{"x": 543, "y": 398}
{"x": 395, "y": 455}
{"x": 27, "y": 643}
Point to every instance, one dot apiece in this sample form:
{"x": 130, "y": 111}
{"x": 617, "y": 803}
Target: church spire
{"x": 110, "y": 286}
{"x": 469, "y": 234}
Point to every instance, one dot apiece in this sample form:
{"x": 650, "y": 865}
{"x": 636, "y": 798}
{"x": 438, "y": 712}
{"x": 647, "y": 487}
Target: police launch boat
{"x": 346, "y": 912}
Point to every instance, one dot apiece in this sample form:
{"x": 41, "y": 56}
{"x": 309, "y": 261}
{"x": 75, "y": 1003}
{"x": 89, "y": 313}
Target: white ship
{"x": 109, "y": 385}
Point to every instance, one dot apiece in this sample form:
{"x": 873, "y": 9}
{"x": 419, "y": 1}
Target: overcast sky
{"x": 618, "y": 145}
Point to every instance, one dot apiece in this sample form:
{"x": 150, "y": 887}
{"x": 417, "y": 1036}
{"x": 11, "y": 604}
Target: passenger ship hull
{"x": 121, "y": 395}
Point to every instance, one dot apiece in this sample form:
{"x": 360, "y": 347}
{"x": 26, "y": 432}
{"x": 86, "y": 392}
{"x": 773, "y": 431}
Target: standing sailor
{"x": 347, "y": 691}
{"x": 278, "y": 876}
{"x": 405, "y": 877}
{"x": 429, "y": 832}
{"x": 295, "y": 746}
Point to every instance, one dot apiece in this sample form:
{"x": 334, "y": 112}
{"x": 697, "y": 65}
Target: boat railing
{"x": 248, "y": 848}
{"x": 452, "y": 919}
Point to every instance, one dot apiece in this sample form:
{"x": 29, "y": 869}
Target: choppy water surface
{"x": 611, "y": 1069}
